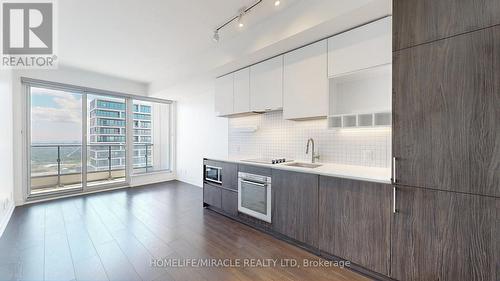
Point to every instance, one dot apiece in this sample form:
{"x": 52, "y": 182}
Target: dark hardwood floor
{"x": 114, "y": 235}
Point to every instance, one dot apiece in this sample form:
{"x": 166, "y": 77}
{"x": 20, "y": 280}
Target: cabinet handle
{"x": 394, "y": 180}
{"x": 394, "y": 210}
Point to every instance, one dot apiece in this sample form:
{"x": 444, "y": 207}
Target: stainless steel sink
{"x": 303, "y": 165}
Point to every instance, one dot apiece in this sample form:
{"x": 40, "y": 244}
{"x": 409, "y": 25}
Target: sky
{"x": 55, "y": 116}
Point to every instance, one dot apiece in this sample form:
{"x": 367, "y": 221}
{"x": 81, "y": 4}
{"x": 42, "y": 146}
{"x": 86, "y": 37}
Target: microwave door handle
{"x": 263, "y": 185}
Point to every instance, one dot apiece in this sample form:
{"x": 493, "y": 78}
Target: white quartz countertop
{"x": 373, "y": 174}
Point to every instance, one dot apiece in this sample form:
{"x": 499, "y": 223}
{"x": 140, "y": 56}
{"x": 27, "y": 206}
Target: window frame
{"x": 28, "y": 83}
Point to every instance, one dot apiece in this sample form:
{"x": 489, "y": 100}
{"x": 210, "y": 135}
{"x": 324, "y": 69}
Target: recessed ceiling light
{"x": 277, "y": 3}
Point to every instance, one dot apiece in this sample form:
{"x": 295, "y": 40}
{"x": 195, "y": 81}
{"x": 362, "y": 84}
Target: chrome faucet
{"x": 314, "y": 156}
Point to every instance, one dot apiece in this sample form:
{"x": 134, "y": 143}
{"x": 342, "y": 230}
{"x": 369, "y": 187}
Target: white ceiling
{"x": 168, "y": 43}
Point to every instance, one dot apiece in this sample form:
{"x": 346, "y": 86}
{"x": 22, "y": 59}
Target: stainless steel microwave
{"x": 213, "y": 174}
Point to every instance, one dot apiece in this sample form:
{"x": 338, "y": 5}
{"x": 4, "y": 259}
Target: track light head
{"x": 242, "y": 12}
{"x": 216, "y": 36}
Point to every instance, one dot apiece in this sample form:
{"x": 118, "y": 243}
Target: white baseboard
{"x": 6, "y": 218}
{"x": 192, "y": 181}
{"x": 33, "y": 201}
{"x": 151, "y": 178}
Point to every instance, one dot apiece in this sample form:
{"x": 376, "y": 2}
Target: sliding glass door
{"x": 106, "y": 140}
{"x": 55, "y": 141}
{"x": 79, "y": 140}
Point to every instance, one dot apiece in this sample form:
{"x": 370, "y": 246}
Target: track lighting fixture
{"x": 238, "y": 18}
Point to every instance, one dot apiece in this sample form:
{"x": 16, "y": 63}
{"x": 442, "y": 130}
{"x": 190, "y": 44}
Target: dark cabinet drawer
{"x": 261, "y": 171}
{"x": 230, "y": 201}
{"x": 212, "y": 195}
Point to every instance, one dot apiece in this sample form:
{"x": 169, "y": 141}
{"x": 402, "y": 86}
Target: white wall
{"x": 67, "y": 75}
{"x": 6, "y": 147}
{"x": 199, "y": 134}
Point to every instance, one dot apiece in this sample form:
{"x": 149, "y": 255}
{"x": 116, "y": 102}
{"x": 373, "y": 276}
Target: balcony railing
{"x": 60, "y": 165}
{"x": 147, "y": 156}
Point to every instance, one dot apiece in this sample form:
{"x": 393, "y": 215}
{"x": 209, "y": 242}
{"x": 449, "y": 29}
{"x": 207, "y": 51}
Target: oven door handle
{"x": 263, "y": 185}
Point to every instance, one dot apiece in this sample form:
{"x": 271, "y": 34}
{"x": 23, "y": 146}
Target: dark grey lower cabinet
{"x": 445, "y": 236}
{"x": 295, "y": 205}
{"x": 229, "y": 201}
{"x": 212, "y": 195}
{"x": 355, "y": 221}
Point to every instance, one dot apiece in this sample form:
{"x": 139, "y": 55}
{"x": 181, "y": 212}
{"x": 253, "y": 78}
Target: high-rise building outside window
{"x": 107, "y": 126}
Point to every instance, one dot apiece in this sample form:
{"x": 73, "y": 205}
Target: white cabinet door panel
{"x": 266, "y": 85}
{"x": 366, "y": 46}
{"x": 242, "y": 91}
{"x": 224, "y": 95}
{"x": 305, "y": 86}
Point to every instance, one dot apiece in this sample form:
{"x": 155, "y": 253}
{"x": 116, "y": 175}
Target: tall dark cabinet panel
{"x": 420, "y": 21}
{"x": 446, "y": 140}
{"x": 440, "y": 236}
{"x": 446, "y": 108}
{"x": 355, "y": 221}
{"x": 295, "y": 205}
{"x": 497, "y": 231}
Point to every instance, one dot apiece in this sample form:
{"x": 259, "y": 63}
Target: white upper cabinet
{"x": 364, "y": 47}
{"x": 305, "y": 86}
{"x": 224, "y": 86}
{"x": 266, "y": 85}
{"x": 242, "y": 91}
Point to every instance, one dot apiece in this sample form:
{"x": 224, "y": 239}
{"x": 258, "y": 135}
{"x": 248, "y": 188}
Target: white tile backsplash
{"x": 277, "y": 137}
